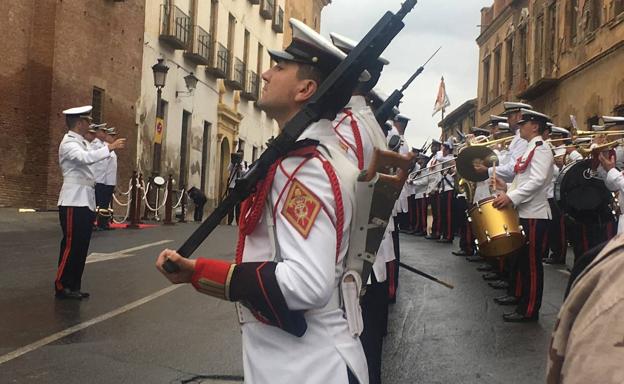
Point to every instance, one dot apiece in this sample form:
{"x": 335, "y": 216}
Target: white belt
{"x": 79, "y": 181}
{"x": 245, "y": 315}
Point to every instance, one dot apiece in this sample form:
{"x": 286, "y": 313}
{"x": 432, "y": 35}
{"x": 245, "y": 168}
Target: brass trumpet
{"x": 598, "y": 133}
{"x": 588, "y": 150}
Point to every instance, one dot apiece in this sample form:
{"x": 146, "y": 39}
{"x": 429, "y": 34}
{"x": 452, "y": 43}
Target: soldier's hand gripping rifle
{"x": 382, "y": 114}
{"x": 329, "y": 99}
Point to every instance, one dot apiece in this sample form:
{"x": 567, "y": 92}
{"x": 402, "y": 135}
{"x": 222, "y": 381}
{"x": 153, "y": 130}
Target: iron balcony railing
{"x": 267, "y": 8}
{"x": 198, "y": 49}
{"x": 219, "y": 67}
{"x": 252, "y": 86}
{"x": 278, "y": 21}
{"x": 236, "y": 79}
{"x": 175, "y": 26}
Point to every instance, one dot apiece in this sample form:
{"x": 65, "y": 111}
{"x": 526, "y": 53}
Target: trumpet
{"x": 504, "y": 141}
{"x": 598, "y": 133}
{"x": 588, "y": 150}
{"x": 434, "y": 172}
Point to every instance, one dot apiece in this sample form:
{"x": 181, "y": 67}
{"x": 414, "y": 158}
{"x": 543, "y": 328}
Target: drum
{"x": 583, "y": 196}
{"x": 497, "y": 232}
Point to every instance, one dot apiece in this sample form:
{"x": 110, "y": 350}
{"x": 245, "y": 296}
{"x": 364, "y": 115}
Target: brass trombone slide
{"x": 432, "y": 173}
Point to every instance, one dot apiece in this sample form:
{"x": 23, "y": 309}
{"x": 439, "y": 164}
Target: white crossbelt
{"x": 79, "y": 181}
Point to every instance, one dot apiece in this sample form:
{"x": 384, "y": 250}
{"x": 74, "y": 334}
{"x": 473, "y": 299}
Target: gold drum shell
{"x": 497, "y": 231}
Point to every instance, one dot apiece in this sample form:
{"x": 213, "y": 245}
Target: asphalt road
{"x": 136, "y": 328}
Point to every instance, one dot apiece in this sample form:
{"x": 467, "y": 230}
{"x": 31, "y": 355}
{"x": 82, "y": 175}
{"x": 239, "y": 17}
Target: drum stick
{"x": 423, "y": 274}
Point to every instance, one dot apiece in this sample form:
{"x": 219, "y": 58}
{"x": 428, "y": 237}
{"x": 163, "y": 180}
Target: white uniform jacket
{"x": 402, "y": 204}
{"x": 359, "y": 134}
{"x": 420, "y": 185}
{"x": 529, "y": 187}
{"x": 447, "y": 182}
{"x": 99, "y": 167}
{"x": 111, "y": 170}
{"x": 482, "y": 189}
{"x": 505, "y": 169}
{"x": 75, "y": 159}
{"x": 310, "y": 230}
{"x": 574, "y": 156}
{"x": 433, "y": 180}
{"x": 615, "y": 183}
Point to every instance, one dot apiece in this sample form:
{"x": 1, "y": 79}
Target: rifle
{"x": 385, "y": 110}
{"x": 331, "y": 96}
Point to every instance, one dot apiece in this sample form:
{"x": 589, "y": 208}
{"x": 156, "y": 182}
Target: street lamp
{"x": 160, "y": 70}
{"x": 191, "y": 82}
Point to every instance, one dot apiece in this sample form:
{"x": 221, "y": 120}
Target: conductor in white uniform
{"x": 77, "y": 200}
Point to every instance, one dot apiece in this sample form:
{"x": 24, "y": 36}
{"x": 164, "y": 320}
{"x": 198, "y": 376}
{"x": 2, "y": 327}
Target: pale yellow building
{"x": 563, "y": 57}
{"x": 308, "y": 11}
{"x": 224, "y": 44}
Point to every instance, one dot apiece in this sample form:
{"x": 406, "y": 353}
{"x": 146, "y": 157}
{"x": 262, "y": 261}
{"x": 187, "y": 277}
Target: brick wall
{"x": 55, "y": 52}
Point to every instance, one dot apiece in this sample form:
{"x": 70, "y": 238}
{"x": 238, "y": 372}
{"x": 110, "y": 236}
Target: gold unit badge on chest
{"x": 301, "y": 208}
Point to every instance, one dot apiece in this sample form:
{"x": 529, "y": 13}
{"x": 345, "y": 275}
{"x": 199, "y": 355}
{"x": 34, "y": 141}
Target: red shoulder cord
{"x": 253, "y": 206}
{"x": 359, "y": 148}
{"x": 521, "y": 166}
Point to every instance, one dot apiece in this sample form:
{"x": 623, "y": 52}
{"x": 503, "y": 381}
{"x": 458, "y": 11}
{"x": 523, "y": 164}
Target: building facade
{"x": 308, "y": 11}
{"x": 46, "y": 69}
{"x": 563, "y": 57}
{"x": 223, "y": 44}
{"x": 461, "y": 119}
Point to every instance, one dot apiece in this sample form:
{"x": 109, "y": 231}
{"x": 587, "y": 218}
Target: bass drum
{"x": 497, "y": 232}
{"x": 582, "y": 197}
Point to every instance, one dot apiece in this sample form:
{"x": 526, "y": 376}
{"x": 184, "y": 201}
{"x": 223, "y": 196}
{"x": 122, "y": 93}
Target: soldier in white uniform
{"x": 527, "y": 194}
{"x": 447, "y": 192}
{"x": 433, "y": 194}
{"x": 77, "y": 200}
{"x": 293, "y": 238}
{"x": 110, "y": 178}
{"x": 360, "y": 135}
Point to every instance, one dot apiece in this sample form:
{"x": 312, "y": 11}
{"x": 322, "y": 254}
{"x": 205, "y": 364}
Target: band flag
{"x": 442, "y": 101}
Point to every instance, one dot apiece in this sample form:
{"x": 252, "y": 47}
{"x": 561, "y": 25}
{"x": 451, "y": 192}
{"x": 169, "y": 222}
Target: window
{"x": 619, "y": 110}
{"x": 246, "y": 49}
{"x": 241, "y": 145}
{"x": 523, "y": 52}
{"x": 552, "y": 56}
{"x": 572, "y": 12}
{"x": 184, "y": 148}
{"x": 509, "y": 47}
{"x": 618, "y": 6}
{"x": 97, "y": 103}
{"x": 594, "y": 120}
{"x": 254, "y": 153}
{"x": 591, "y": 15}
{"x": 497, "y": 66}
{"x": 486, "y": 80}
{"x": 539, "y": 46}
{"x": 214, "y": 18}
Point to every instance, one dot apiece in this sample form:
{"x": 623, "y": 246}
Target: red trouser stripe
{"x": 69, "y": 218}
{"x": 532, "y": 267}
{"x": 415, "y": 214}
{"x": 564, "y": 240}
{"x": 610, "y": 231}
{"x": 518, "y": 284}
{"x": 424, "y": 215}
{"x": 438, "y": 215}
{"x": 449, "y": 200}
{"x": 391, "y": 286}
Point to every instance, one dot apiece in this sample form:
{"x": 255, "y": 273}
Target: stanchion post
{"x": 146, "y": 210}
{"x": 134, "y": 219}
{"x": 169, "y": 203}
{"x": 139, "y": 198}
{"x": 183, "y": 203}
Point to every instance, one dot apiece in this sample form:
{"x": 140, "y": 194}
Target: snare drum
{"x": 497, "y": 232}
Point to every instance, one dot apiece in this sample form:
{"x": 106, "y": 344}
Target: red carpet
{"x": 124, "y": 226}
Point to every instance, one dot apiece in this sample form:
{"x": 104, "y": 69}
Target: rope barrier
{"x": 147, "y": 202}
{"x": 179, "y": 200}
{"x": 127, "y": 213}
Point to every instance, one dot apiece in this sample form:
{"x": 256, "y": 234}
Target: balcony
{"x": 175, "y": 27}
{"x": 198, "y": 50}
{"x": 219, "y": 67}
{"x": 236, "y": 78}
{"x": 266, "y": 9}
{"x": 253, "y": 2}
{"x": 252, "y": 86}
{"x": 278, "y": 21}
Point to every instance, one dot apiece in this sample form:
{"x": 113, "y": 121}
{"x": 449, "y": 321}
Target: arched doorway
{"x": 224, "y": 163}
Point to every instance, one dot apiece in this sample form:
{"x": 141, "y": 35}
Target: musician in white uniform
{"x": 615, "y": 178}
{"x": 557, "y": 239}
{"x": 533, "y": 170}
{"x": 360, "y": 135}
{"x": 77, "y": 200}
{"x": 293, "y": 238}
{"x": 505, "y": 171}
{"x": 447, "y": 192}
{"x": 482, "y": 189}
{"x": 420, "y": 190}
{"x": 433, "y": 194}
